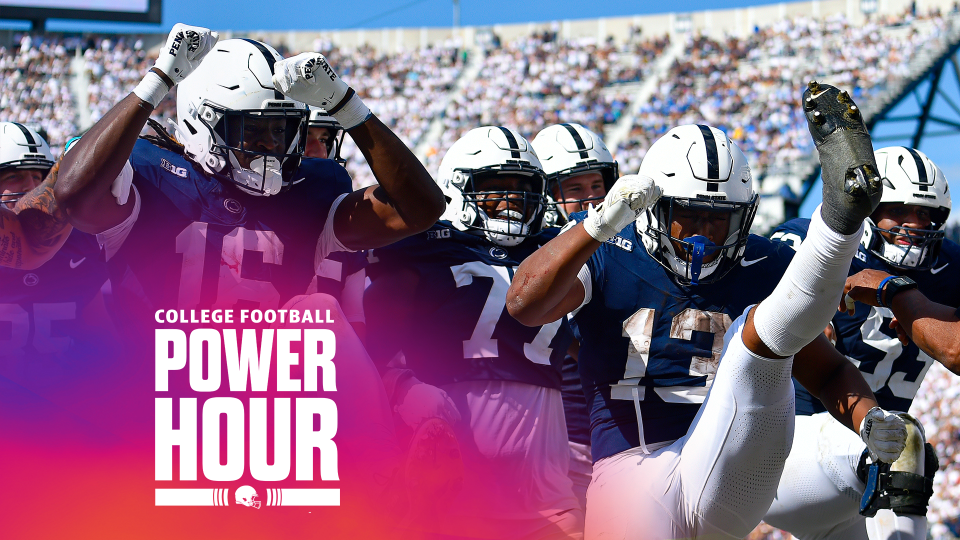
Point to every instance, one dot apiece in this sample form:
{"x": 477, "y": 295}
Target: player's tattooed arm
{"x": 44, "y": 223}
{"x": 35, "y": 229}
{"x": 11, "y": 239}
{"x": 835, "y": 381}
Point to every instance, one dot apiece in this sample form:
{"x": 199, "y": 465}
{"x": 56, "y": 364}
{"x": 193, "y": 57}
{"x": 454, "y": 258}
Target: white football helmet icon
{"x": 247, "y": 496}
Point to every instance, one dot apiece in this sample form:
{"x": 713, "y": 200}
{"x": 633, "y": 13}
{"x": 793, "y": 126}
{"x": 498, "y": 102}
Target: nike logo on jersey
{"x": 935, "y": 270}
{"x": 76, "y": 264}
{"x": 744, "y": 262}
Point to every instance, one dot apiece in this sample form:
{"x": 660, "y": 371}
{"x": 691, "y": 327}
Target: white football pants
{"x": 718, "y": 480}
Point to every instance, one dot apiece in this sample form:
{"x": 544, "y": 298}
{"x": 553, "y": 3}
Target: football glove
{"x": 185, "y": 48}
{"x": 423, "y": 401}
{"x": 309, "y": 78}
{"x": 631, "y": 195}
{"x": 884, "y": 434}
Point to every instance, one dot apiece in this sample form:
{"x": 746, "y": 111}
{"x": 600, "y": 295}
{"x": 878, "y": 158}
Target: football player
{"x": 688, "y": 383}
{"x": 342, "y": 274}
{"x": 579, "y": 171}
{"x": 58, "y": 323}
{"x": 241, "y": 128}
{"x": 579, "y": 167}
{"x": 227, "y": 216}
{"x": 826, "y": 478}
{"x": 439, "y": 298}
{"x": 32, "y": 226}
{"x": 324, "y": 136}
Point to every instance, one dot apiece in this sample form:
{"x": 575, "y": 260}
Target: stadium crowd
{"x": 745, "y": 86}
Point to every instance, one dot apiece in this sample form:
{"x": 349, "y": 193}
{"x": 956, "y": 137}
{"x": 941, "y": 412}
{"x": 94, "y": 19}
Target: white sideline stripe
{"x": 190, "y": 497}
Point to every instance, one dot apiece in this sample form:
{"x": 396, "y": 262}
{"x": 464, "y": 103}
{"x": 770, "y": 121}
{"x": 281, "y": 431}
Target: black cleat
{"x": 851, "y": 183}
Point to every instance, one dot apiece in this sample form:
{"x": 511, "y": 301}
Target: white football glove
{"x": 181, "y": 54}
{"x": 631, "y": 195}
{"x": 423, "y": 401}
{"x": 185, "y": 48}
{"x": 309, "y": 78}
{"x": 884, "y": 434}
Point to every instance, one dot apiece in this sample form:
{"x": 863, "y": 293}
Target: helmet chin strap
{"x": 702, "y": 246}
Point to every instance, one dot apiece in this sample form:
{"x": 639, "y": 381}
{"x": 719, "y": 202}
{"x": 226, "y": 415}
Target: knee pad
{"x": 904, "y": 486}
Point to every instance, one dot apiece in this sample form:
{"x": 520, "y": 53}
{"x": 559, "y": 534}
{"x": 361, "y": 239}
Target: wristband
{"x": 351, "y": 112}
{"x": 152, "y": 89}
{"x": 880, "y": 291}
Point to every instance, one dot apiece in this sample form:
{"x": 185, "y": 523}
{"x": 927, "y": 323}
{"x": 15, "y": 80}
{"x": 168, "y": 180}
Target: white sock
{"x": 807, "y": 296}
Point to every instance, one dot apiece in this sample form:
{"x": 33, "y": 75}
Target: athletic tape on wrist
{"x": 151, "y": 89}
{"x": 352, "y": 113}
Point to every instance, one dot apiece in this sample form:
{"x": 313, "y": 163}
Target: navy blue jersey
{"x": 202, "y": 242}
{"x": 460, "y": 327}
{"x": 571, "y": 389}
{"x": 894, "y": 372}
{"x": 648, "y": 343}
{"x": 574, "y": 403}
{"x": 332, "y": 272}
{"x": 40, "y": 310}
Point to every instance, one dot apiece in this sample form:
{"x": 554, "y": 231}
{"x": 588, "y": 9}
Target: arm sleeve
{"x": 328, "y": 241}
{"x": 587, "y": 280}
{"x": 113, "y": 238}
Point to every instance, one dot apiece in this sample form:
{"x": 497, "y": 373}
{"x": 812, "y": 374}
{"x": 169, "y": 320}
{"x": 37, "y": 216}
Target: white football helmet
{"x": 247, "y": 496}
{"x": 567, "y": 150}
{"x": 319, "y": 118}
{"x": 910, "y": 177}
{"x": 22, "y": 148}
{"x": 481, "y": 153}
{"x": 228, "y": 103}
{"x": 698, "y": 167}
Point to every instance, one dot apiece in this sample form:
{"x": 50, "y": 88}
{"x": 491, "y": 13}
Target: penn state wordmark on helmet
{"x": 698, "y": 168}
{"x": 481, "y": 153}
{"x": 567, "y": 150}
{"x": 229, "y": 103}
{"x": 910, "y": 177}
{"x": 22, "y": 148}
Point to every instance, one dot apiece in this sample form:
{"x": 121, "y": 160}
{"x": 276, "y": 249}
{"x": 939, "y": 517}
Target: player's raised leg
{"x": 730, "y": 472}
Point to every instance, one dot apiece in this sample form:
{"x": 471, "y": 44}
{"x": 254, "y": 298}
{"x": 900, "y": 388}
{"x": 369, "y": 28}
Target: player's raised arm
{"x": 407, "y": 201}
{"x": 86, "y": 187}
{"x": 546, "y": 286}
